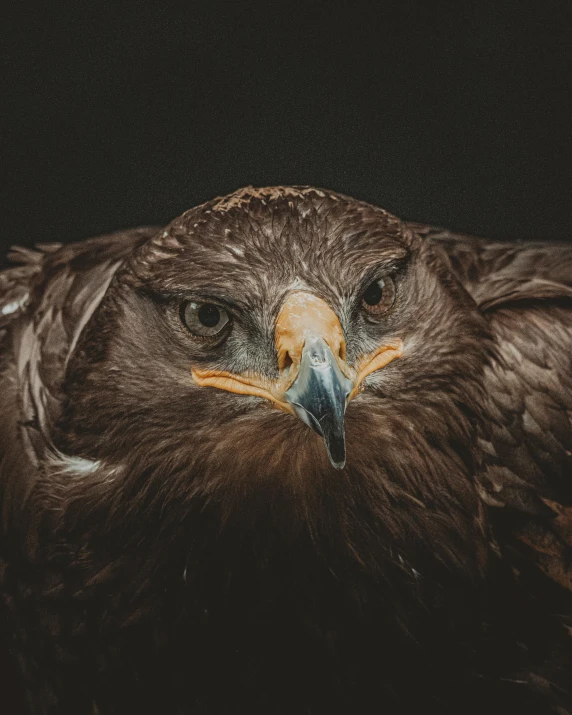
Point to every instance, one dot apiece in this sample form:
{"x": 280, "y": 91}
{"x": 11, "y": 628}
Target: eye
{"x": 379, "y": 296}
{"x": 204, "y": 319}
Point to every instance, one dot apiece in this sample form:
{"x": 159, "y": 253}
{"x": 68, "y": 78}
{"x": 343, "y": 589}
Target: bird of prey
{"x": 288, "y": 455}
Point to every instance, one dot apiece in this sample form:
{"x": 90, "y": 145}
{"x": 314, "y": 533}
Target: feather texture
{"x": 178, "y": 549}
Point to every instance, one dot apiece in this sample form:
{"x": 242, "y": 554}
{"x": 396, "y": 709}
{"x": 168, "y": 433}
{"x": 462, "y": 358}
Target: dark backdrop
{"x": 125, "y": 114}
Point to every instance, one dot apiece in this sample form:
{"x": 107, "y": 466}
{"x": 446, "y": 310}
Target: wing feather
{"x": 525, "y": 290}
{"x": 51, "y": 295}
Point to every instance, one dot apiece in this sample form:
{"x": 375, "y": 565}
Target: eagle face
{"x": 285, "y": 348}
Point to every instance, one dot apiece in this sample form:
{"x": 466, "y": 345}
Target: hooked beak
{"x": 315, "y": 381}
{"x": 320, "y": 395}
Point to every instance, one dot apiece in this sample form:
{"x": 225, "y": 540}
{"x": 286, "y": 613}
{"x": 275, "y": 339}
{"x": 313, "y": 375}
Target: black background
{"x": 122, "y": 114}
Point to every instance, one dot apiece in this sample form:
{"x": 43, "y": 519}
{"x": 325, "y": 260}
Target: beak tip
{"x": 337, "y": 453}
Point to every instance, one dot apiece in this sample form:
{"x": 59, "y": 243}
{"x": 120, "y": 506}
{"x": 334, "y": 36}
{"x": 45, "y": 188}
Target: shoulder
{"x": 496, "y": 273}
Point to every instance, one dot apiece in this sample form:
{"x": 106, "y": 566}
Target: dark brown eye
{"x": 204, "y": 319}
{"x": 379, "y": 296}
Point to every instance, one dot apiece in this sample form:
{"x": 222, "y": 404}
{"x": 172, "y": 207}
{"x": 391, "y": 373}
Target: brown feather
{"x": 178, "y": 549}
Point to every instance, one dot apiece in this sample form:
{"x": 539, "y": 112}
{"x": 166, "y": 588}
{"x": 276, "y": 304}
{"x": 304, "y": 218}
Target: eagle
{"x": 288, "y": 455}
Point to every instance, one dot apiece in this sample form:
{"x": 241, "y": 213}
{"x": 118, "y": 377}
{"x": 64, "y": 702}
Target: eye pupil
{"x": 379, "y": 296}
{"x": 204, "y": 320}
{"x": 209, "y": 315}
{"x": 374, "y": 293}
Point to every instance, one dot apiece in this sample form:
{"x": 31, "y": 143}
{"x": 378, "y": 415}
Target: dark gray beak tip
{"x": 336, "y": 445}
{"x": 337, "y": 465}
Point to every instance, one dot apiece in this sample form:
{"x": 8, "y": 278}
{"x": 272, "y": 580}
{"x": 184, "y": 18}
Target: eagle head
{"x": 286, "y": 352}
